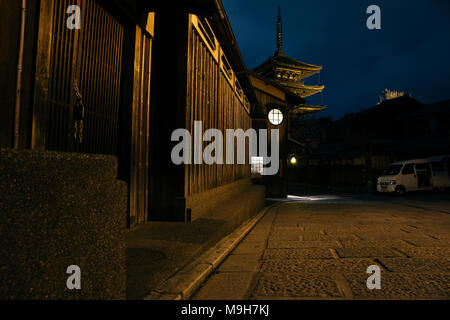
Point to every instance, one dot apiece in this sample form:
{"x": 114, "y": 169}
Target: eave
{"x": 302, "y": 90}
{"x": 305, "y": 109}
{"x": 305, "y": 69}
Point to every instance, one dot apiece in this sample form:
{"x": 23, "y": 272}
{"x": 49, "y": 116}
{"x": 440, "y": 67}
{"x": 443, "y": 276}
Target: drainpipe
{"x": 19, "y": 75}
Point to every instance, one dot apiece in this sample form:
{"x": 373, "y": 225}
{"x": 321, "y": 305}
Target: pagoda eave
{"x": 304, "y": 67}
{"x": 305, "y": 109}
{"x": 273, "y": 65}
{"x": 302, "y": 90}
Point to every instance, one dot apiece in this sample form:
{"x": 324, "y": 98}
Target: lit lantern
{"x": 275, "y": 117}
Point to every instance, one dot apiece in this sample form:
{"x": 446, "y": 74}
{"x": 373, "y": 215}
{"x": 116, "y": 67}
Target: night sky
{"x": 411, "y": 53}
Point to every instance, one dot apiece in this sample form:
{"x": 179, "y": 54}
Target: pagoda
{"x": 290, "y": 73}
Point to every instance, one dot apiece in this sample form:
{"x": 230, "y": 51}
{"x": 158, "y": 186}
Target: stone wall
{"x": 57, "y": 210}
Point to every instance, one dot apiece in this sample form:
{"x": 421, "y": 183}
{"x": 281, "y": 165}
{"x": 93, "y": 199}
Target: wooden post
{"x": 40, "y": 110}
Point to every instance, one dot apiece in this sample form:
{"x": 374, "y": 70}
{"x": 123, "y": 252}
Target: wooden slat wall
{"x": 91, "y": 57}
{"x": 42, "y": 78}
{"x": 140, "y": 146}
{"x": 212, "y": 100}
{"x": 100, "y": 61}
{"x": 60, "y": 86}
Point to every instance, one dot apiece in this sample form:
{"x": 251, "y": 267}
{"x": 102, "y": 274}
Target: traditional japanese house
{"x": 200, "y": 77}
{"x": 119, "y": 84}
{"x": 90, "y": 94}
{"x": 75, "y": 109}
{"x": 86, "y": 79}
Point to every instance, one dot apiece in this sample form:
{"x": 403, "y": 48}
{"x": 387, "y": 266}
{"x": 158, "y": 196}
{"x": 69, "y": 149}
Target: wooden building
{"x": 272, "y": 96}
{"x": 132, "y": 73}
{"x": 200, "y": 77}
{"x": 84, "y": 90}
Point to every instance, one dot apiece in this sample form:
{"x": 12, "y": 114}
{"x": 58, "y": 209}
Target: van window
{"x": 393, "y": 170}
{"x": 422, "y": 167}
{"x": 438, "y": 166}
{"x": 408, "y": 169}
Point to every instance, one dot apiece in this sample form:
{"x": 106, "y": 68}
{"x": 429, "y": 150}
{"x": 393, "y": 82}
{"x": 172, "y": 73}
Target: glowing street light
{"x": 293, "y": 161}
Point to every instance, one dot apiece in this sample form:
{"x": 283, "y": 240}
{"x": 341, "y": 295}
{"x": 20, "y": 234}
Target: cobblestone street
{"x": 320, "y": 248}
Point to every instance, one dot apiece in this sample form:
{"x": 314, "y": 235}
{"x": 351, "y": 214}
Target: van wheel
{"x": 400, "y": 191}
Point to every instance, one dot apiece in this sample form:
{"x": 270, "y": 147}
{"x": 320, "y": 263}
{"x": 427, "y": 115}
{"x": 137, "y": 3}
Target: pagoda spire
{"x": 279, "y": 35}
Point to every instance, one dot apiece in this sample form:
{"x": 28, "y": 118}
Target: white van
{"x": 414, "y": 175}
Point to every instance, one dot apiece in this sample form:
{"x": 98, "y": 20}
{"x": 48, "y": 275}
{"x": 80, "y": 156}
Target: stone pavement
{"x": 158, "y": 250}
{"x": 321, "y": 247}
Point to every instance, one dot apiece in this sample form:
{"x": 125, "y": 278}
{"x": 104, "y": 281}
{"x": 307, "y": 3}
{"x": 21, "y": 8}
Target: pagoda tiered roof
{"x": 289, "y": 72}
{"x": 278, "y": 65}
{"x": 302, "y": 90}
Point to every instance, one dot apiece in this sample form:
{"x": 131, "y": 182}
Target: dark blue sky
{"x": 411, "y": 53}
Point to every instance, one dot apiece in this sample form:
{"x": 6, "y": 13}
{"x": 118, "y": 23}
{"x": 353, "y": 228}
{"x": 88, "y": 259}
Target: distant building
{"x": 429, "y": 126}
{"x": 278, "y": 85}
{"x": 360, "y": 146}
{"x": 289, "y": 73}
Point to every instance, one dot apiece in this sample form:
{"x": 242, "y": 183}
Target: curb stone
{"x": 186, "y": 282}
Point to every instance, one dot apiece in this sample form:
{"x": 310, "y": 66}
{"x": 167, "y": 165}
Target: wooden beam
{"x": 40, "y": 109}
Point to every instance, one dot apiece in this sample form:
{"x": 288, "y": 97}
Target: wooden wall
{"x": 140, "y": 129}
{"x": 215, "y": 98}
{"x": 270, "y": 102}
{"x": 276, "y": 186}
{"x": 111, "y": 73}
{"x": 88, "y": 59}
